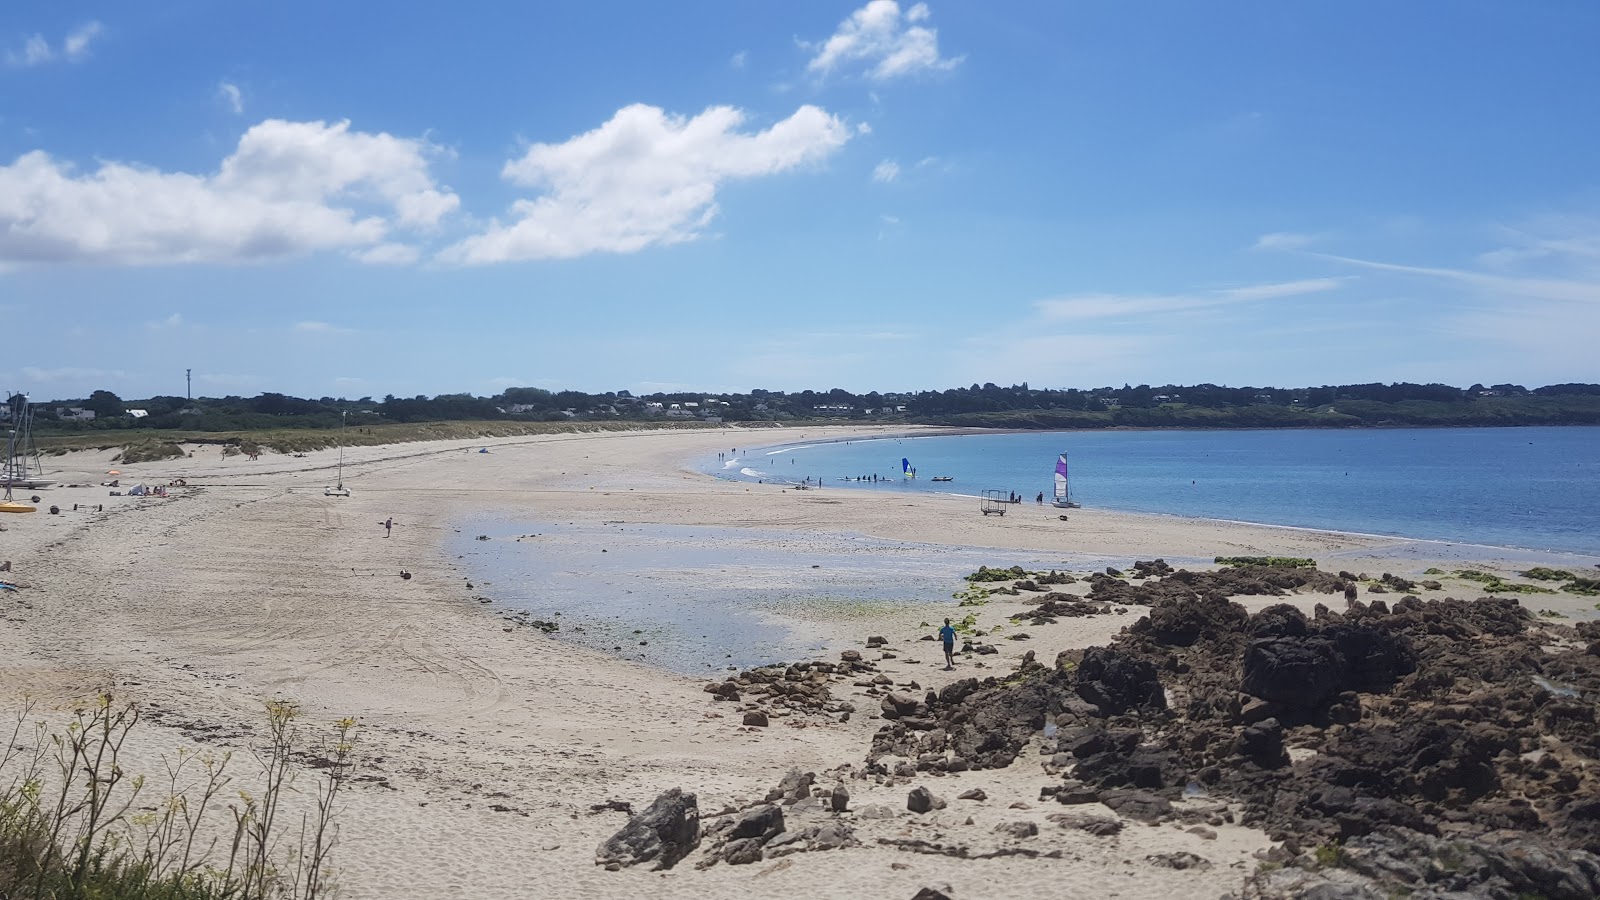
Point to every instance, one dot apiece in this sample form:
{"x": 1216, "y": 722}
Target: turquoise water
{"x": 1536, "y": 488}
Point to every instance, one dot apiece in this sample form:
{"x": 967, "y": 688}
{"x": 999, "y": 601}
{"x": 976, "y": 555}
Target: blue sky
{"x": 360, "y": 198}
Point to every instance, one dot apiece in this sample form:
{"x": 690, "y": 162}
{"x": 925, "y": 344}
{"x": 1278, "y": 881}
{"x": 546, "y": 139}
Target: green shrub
{"x": 149, "y": 451}
{"x": 75, "y": 826}
{"x": 1540, "y": 573}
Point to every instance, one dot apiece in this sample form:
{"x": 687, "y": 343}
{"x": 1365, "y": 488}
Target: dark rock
{"x": 796, "y": 785}
{"x": 756, "y": 717}
{"x": 876, "y": 641}
{"x": 742, "y": 852}
{"x": 921, "y": 800}
{"x": 1138, "y": 805}
{"x": 929, "y": 893}
{"x": 1019, "y": 829}
{"x": 1180, "y": 860}
{"x": 1262, "y": 744}
{"x": 973, "y": 794}
{"x": 760, "y": 823}
{"x": 1099, "y": 826}
{"x": 839, "y": 800}
{"x": 1117, "y": 682}
{"x": 850, "y": 656}
{"x": 666, "y": 832}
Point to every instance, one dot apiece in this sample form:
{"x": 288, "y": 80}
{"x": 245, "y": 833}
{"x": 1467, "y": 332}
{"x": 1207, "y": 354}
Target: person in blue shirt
{"x": 948, "y": 635}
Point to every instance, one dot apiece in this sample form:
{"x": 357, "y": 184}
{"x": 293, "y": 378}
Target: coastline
{"x": 252, "y": 585}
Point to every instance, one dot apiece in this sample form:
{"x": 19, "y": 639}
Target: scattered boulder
{"x": 795, "y": 786}
{"x": 760, "y": 823}
{"x": 921, "y": 800}
{"x": 1099, "y": 826}
{"x": 1019, "y": 829}
{"x": 756, "y": 718}
{"x": 666, "y": 832}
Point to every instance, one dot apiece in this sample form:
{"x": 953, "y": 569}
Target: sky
{"x": 359, "y": 199}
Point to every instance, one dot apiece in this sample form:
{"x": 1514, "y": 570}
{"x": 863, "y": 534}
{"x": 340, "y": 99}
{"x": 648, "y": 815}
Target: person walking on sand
{"x": 388, "y": 526}
{"x": 948, "y": 636}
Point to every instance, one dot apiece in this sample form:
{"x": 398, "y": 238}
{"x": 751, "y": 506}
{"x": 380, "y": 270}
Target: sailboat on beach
{"x": 1063, "y": 490}
{"x": 22, "y": 468}
{"x": 340, "y": 490}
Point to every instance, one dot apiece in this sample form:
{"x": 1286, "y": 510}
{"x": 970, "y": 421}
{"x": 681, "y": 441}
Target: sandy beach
{"x": 487, "y": 742}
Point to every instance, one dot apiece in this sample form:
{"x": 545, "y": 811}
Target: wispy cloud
{"x": 1084, "y": 307}
{"x": 231, "y": 96}
{"x": 739, "y": 59}
{"x": 889, "y": 43}
{"x": 37, "y": 51}
{"x": 886, "y": 171}
{"x": 76, "y": 45}
{"x": 1282, "y": 240}
{"x": 70, "y": 373}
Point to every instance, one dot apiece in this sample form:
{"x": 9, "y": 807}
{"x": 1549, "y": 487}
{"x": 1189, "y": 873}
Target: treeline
{"x": 987, "y": 405}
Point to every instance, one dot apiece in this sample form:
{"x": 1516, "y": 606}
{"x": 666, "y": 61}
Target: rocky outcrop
{"x": 666, "y": 832}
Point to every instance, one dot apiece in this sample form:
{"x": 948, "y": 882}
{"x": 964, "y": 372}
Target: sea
{"x": 699, "y": 599}
{"x": 1528, "y": 488}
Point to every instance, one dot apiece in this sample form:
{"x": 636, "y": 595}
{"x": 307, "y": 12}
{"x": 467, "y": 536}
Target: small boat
{"x": 942, "y": 478}
{"x": 341, "y": 490}
{"x": 22, "y": 468}
{"x": 1063, "y": 491}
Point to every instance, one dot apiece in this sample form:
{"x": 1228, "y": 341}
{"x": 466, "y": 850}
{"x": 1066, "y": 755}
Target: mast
{"x": 342, "y": 414}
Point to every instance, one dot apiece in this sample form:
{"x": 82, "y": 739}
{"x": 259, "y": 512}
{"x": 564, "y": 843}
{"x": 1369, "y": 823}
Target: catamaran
{"x": 1063, "y": 492}
{"x": 22, "y": 468}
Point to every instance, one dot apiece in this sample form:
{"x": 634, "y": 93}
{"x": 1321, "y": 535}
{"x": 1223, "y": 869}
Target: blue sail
{"x": 905, "y": 464}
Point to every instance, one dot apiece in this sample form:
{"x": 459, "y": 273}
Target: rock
{"x": 756, "y": 717}
{"x": 1202, "y": 832}
{"x": 974, "y": 794}
{"x": 795, "y": 786}
{"x": 876, "y": 641}
{"x": 929, "y": 893}
{"x": 839, "y": 800}
{"x": 1262, "y": 744}
{"x": 742, "y": 852}
{"x": 850, "y": 656}
{"x": 1019, "y": 829}
{"x": 1117, "y": 683}
{"x": 1181, "y": 860}
{"x": 666, "y": 832}
{"x": 760, "y": 823}
{"x": 920, "y": 800}
{"x": 898, "y": 704}
{"x": 1099, "y": 826}
{"x": 1139, "y": 805}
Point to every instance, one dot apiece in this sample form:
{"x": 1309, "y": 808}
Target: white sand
{"x": 253, "y": 585}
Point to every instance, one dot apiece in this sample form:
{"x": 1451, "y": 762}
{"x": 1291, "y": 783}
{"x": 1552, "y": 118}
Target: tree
{"x": 105, "y": 404}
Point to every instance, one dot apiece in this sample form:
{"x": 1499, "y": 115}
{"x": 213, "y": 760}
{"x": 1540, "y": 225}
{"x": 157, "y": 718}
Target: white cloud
{"x": 34, "y": 52}
{"x": 288, "y": 188}
{"x": 76, "y": 46}
{"x": 886, "y": 171}
{"x": 888, "y": 43}
{"x": 231, "y": 95}
{"x": 1084, "y": 307}
{"x": 739, "y": 59}
{"x": 173, "y": 321}
{"x": 643, "y": 178}
{"x": 1282, "y": 240}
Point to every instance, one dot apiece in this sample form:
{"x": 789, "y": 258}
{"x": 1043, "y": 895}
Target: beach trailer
{"x": 994, "y": 502}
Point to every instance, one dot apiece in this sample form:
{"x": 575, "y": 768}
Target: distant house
{"x": 518, "y": 409}
{"x": 138, "y": 413}
{"x": 74, "y": 414}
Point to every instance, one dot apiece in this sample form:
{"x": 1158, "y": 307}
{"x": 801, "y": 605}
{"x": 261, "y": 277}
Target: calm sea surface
{"x": 1535, "y": 488}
